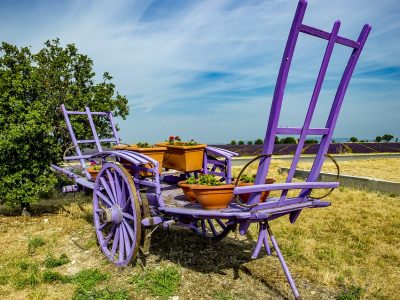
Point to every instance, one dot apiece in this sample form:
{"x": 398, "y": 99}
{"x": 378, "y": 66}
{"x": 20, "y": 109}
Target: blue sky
{"x": 206, "y": 69}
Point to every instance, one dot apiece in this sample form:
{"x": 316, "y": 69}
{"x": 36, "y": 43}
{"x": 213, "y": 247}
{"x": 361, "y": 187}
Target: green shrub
{"x": 34, "y": 85}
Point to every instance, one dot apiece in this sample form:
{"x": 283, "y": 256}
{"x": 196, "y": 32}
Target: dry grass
{"x": 385, "y": 168}
{"x": 352, "y": 246}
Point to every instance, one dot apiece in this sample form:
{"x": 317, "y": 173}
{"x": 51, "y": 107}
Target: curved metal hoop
{"x": 237, "y": 197}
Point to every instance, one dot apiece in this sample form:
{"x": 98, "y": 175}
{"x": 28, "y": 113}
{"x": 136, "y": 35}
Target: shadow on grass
{"x": 51, "y": 205}
{"x": 183, "y": 247}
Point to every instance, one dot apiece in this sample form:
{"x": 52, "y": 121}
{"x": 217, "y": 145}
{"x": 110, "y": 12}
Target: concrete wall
{"x": 372, "y": 184}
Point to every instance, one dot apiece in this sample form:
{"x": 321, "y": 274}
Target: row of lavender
{"x": 285, "y": 149}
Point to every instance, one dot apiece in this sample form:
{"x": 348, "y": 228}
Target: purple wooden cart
{"x": 126, "y": 206}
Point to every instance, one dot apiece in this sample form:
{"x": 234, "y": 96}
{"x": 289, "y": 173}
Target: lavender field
{"x": 337, "y": 148}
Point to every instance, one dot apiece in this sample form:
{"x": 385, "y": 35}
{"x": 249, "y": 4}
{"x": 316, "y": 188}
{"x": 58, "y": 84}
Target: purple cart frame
{"x": 126, "y": 204}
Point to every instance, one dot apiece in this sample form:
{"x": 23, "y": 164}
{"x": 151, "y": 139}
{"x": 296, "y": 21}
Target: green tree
{"x": 288, "y": 140}
{"x": 277, "y": 141}
{"x": 378, "y": 139}
{"x": 353, "y": 139}
{"x": 240, "y": 143}
{"x": 258, "y": 142}
{"x": 233, "y": 142}
{"x": 387, "y": 137}
{"x": 250, "y": 143}
{"x": 311, "y": 141}
{"x": 32, "y": 129}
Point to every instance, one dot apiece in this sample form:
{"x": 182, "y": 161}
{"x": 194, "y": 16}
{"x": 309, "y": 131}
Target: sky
{"x": 206, "y": 70}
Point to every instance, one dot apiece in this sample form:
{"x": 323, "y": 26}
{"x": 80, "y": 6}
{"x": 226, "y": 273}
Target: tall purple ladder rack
{"x": 326, "y": 132}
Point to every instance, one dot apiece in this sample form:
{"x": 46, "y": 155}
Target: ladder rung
{"x": 84, "y": 113}
{"x": 326, "y": 35}
{"x": 93, "y": 141}
{"x": 295, "y": 130}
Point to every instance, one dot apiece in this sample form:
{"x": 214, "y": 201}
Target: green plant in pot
{"x": 246, "y": 180}
{"x": 93, "y": 170}
{"x": 186, "y": 186}
{"x": 212, "y": 193}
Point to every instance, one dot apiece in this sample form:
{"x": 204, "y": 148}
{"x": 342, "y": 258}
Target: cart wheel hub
{"x": 112, "y": 214}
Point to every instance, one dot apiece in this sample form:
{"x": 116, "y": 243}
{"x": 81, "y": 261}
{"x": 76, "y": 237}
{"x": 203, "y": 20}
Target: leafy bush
{"x": 34, "y": 85}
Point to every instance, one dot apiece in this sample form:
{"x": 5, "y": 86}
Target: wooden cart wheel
{"x": 214, "y": 229}
{"x": 117, "y": 217}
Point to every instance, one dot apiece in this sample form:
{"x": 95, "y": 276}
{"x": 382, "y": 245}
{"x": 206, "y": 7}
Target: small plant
{"x": 30, "y": 278}
{"x": 51, "y": 276}
{"x": 176, "y": 140}
{"x": 101, "y": 294}
{"x": 94, "y": 167}
{"x": 248, "y": 178}
{"x": 351, "y": 293}
{"x": 51, "y": 262}
{"x": 144, "y": 145}
{"x": 3, "y": 279}
{"x": 208, "y": 179}
{"x": 192, "y": 180}
{"x": 87, "y": 279}
{"x": 34, "y": 243}
{"x": 159, "y": 282}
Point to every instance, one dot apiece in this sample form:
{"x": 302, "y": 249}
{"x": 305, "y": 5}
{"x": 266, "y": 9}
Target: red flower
{"x": 171, "y": 138}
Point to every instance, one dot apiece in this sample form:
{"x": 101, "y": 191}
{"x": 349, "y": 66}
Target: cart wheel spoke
{"x": 103, "y": 197}
{"x": 221, "y": 223}
{"x": 107, "y": 188}
{"x": 129, "y": 229}
{"x": 214, "y": 229}
{"x": 109, "y": 236}
{"x": 118, "y": 183}
{"x": 115, "y": 243}
{"x": 121, "y": 244}
{"x": 112, "y": 183}
{"x": 117, "y": 214}
{"x": 128, "y": 216}
{"x": 126, "y": 239}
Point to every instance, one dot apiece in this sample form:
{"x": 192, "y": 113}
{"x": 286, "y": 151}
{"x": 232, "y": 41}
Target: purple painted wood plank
{"x": 284, "y": 186}
{"x": 326, "y": 35}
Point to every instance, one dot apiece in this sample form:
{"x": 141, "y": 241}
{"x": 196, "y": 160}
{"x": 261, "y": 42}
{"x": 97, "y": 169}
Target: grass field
{"x": 350, "y": 250}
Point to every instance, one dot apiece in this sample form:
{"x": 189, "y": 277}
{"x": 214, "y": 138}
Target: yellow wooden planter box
{"x": 156, "y": 153}
{"x": 184, "y": 158}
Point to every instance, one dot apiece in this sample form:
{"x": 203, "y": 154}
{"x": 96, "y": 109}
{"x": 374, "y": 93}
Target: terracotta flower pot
{"x": 264, "y": 195}
{"x": 213, "y": 197}
{"x": 93, "y": 173}
{"x": 184, "y": 158}
{"x": 187, "y": 190}
{"x": 156, "y": 153}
